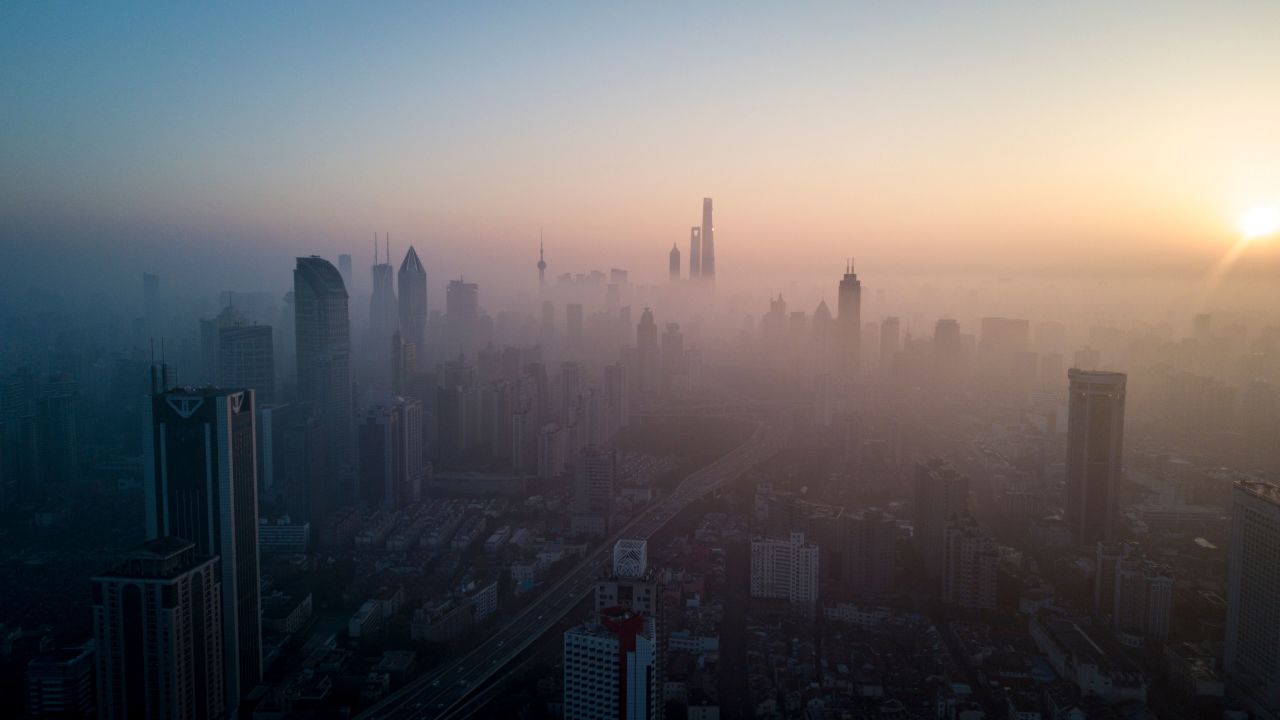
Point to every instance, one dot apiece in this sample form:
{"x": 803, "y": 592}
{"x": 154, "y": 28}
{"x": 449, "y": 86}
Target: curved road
{"x": 442, "y": 692}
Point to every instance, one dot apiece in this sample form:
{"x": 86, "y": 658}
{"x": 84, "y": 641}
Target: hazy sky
{"x": 991, "y": 136}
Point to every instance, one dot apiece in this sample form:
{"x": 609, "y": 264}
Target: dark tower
{"x": 674, "y": 263}
{"x": 849, "y": 320}
{"x": 201, "y": 485}
{"x": 322, "y": 332}
{"x": 413, "y": 303}
{"x": 1095, "y": 435}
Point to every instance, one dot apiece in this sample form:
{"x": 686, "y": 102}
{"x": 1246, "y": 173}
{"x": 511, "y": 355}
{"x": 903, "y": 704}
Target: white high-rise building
{"x": 785, "y": 569}
{"x": 611, "y": 668}
{"x": 1133, "y": 591}
{"x": 1252, "y": 653}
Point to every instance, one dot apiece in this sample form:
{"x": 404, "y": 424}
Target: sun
{"x": 1259, "y": 222}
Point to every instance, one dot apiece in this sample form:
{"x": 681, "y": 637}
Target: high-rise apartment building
{"x": 785, "y": 569}
{"x": 156, "y": 619}
{"x": 201, "y": 485}
{"x": 1252, "y": 653}
{"x": 323, "y": 338}
{"x": 1095, "y": 435}
{"x": 971, "y": 564}
{"x": 941, "y": 494}
{"x": 611, "y": 668}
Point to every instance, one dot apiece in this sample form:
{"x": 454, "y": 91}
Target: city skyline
{"x": 959, "y": 399}
{"x": 1066, "y": 176}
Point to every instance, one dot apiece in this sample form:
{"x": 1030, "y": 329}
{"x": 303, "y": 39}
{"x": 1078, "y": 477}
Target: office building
{"x": 849, "y": 322}
{"x": 611, "y": 668}
{"x": 323, "y": 339}
{"x": 708, "y": 270}
{"x": 158, "y": 637}
{"x": 673, "y": 263}
{"x": 647, "y": 357}
{"x": 247, "y": 360}
{"x": 786, "y": 569}
{"x": 412, "y": 279}
{"x": 941, "y": 494}
{"x": 1251, "y": 658}
{"x": 971, "y": 564}
{"x": 1095, "y": 434}
{"x": 200, "y": 485}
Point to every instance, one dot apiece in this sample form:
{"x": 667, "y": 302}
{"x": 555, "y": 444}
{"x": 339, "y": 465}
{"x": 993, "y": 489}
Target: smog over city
{"x": 669, "y": 362}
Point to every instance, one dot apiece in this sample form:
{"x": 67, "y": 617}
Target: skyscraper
{"x": 247, "y": 360}
{"x": 673, "y": 263}
{"x": 201, "y": 485}
{"x": 708, "y": 242}
{"x": 647, "y": 357}
{"x": 941, "y": 494}
{"x": 695, "y": 252}
{"x": 611, "y": 668}
{"x": 461, "y": 315}
{"x": 1095, "y": 435}
{"x": 383, "y": 313}
{"x": 970, "y": 566}
{"x": 323, "y": 338}
{"x": 786, "y": 569}
{"x": 390, "y": 441}
{"x": 1251, "y": 657}
{"x": 594, "y": 478}
{"x": 344, "y": 266}
{"x": 413, "y": 304}
{"x": 849, "y": 321}
{"x": 890, "y": 344}
{"x": 156, "y": 620}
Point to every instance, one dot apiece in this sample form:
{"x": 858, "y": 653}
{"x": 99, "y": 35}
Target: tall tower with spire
{"x": 708, "y": 242}
{"x": 412, "y": 280}
{"x": 674, "y": 263}
{"x": 849, "y": 321}
{"x": 542, "y": 265}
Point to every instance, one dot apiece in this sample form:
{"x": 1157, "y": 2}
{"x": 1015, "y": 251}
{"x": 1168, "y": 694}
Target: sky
{"x": 218, "y": 141}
